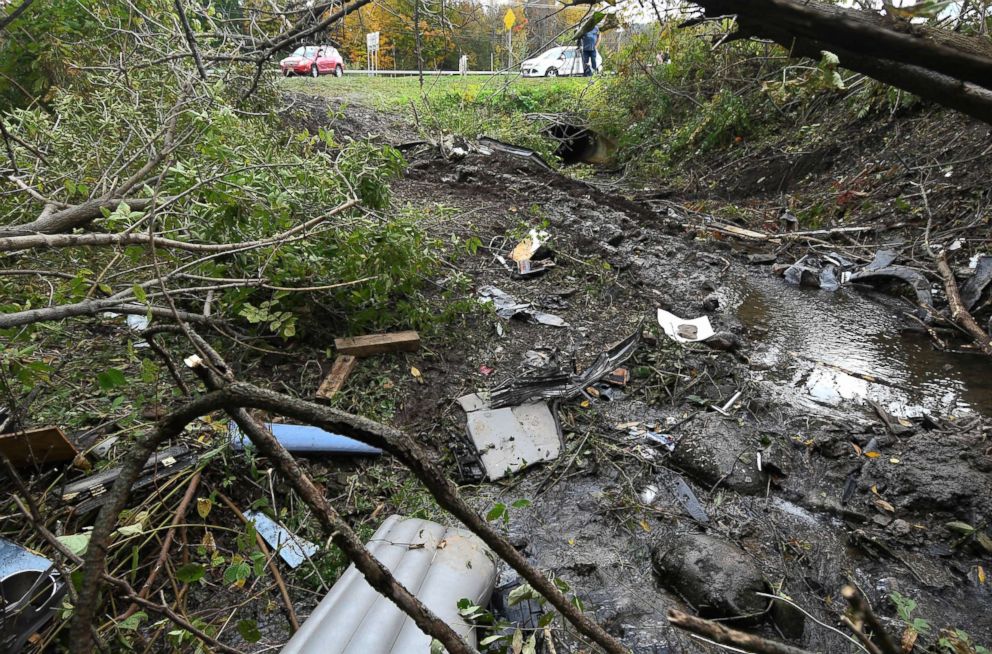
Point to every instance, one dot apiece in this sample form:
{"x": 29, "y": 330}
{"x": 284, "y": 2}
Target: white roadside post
{"x": 372, "y": 52}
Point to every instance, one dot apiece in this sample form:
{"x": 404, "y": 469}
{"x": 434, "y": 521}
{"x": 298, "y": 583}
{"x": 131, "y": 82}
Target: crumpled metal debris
{"x": 680, "y": 490}
{"x": 491, "y": 144}
{"x": 30, "y": 594}
{"x": 915, "y": 280}
{"x": 971, "y": 291}
{"x": 509, "y": 307}
{"x": 817, "y": 271}
{"x": 554, "y": 384}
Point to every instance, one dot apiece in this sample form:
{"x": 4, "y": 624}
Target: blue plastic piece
{"x": 293, "y": 549}
{"x": 304, "y": 438}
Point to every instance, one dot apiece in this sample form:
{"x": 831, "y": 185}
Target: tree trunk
{"x": 947, "y": 67}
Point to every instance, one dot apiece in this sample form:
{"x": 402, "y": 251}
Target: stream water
{"x": 837, "y": 348}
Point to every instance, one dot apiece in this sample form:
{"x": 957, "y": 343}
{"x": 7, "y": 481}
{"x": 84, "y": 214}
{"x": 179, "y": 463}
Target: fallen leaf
{"x": 882, "y": 504}
{"x": 209, "y": 543}
{"x": 416, "y": 375}
{"x": 75, "y": 543}
{"x": 857, "y": 450}
{"x": 908, "y": 640}
{"x": 981, "y": 575}
{"x": 874, "y": 489}
{"x": 388, "y": 384}
{"x": 873, "y": 454}
{"x": 960, "y": 527}
{"x": 203, "y": 506}
{"x": 131, "y": 530}
{"x": 645, "y": 526}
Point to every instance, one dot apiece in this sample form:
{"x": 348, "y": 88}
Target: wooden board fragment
{"x": 367, "y": 345}
{"x": 42, "y": 445}
{"x": 341, "y": 368}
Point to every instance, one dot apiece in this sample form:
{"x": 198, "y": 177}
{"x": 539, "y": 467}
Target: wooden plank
{"x": 42, "y": 445}
{"x": 340, "y": 369}
{"x": 369, "y": 344}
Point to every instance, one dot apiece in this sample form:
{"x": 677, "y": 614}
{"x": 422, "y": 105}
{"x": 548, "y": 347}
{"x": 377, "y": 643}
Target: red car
{"x": 313, "y": 60}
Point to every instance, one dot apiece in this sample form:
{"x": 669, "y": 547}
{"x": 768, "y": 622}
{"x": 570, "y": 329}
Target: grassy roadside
{"x": 502, "y": 107}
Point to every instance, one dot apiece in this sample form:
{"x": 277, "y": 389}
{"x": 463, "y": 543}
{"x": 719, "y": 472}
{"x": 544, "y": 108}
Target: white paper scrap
{"x": 685, "y": 331}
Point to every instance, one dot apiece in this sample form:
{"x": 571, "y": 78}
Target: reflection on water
{"x": 845, "y": 346}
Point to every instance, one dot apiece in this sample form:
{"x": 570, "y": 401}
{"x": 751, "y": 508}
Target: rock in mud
{"x": 717, "y": 578}
{"x": 711, "y": 302}
{"x": 714, "y": 449}
{"x": 723, "y": 341}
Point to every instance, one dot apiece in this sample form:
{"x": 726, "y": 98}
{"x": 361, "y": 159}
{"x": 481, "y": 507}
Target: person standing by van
{"x": 589, "y": 42}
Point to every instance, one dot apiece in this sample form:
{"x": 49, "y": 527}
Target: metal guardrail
{"x": 428, "y": 73}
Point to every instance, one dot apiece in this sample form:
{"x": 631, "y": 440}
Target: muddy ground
{"x": 803, "y": 486}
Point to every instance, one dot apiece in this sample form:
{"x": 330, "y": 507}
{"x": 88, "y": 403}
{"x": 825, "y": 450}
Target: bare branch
{"x": 12, "y": 16}
{"x": 726, "y": 636}
{"x": 190, "y": 39}
{"x": 91, "y": 308}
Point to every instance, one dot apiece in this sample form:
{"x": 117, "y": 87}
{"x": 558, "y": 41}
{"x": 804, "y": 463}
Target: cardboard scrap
{"x": 42, "y": 445}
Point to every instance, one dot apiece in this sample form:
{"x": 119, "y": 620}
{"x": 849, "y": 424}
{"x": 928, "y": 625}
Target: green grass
{"x": 498, "y": 106}
{"x": 399, "y": 92}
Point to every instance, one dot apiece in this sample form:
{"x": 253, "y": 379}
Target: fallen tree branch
{"x": 75, "y": 216}
{"x": 91, "y": 308}
{"x": 949, "y": 68}
{"x": 12, "y": 16}
{"x": 177, "y": 518}
{"x": 959, "y": 314}
{"x": 725, "y": 636}
{"x": 862, "y": 611}
{"x": 36, "y": 522}
{"x": 966, "y": 58}
{"x": 94, "y": 570}
{"x": 48, "y": 241}
{"x": 238, "y": 395}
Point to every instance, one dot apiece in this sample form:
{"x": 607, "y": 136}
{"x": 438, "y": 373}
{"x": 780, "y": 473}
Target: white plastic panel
{"x": 440, "y": 565}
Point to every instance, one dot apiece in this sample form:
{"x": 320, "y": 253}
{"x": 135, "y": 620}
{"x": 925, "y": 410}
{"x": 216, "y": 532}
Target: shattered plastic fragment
{"x": 304, "y": 438}
{"x": 512, "y": 438}
{"x": 293, "y": 549}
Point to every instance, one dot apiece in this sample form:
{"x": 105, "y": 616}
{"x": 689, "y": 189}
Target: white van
{"x": 562, "y": 61}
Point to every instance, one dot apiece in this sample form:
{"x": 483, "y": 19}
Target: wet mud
{"x": 783, "y": 478}
{"x": 802, "y": 486}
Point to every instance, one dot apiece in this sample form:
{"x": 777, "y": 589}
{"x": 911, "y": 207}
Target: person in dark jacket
{"x": 589, "y": 42}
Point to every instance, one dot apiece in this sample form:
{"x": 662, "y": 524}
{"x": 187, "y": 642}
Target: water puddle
{"x": 843, "y": 347}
